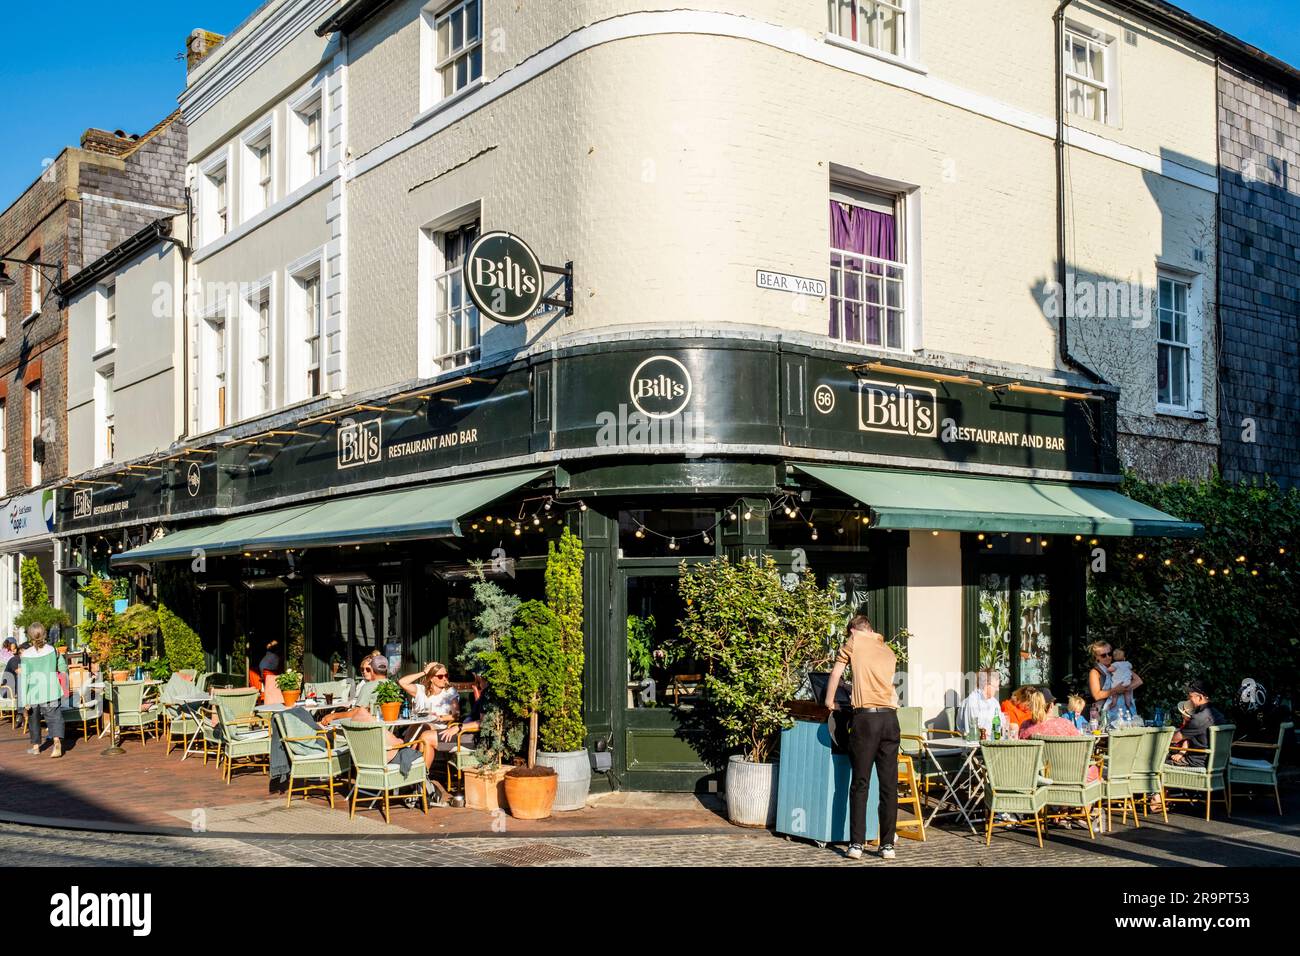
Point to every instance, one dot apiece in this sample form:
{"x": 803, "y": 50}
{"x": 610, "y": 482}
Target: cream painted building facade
{"x": 266, "y": 326}
{"x": 672, "y": 151}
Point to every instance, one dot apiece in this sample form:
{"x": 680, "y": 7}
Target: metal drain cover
{"x": 533, "y": 854}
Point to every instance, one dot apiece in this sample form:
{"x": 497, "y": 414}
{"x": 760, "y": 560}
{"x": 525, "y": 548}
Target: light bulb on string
{"x": 536, "y": 521}
{"x": 547, "y": 506}
{"x": 640, "y": 533}
{"x": 707, "y": 539}
{"x": 672, "y": 544}
{"x": 582, "y": 506}
{"x": 518, "y": 531}
{"x": 814, "y": 534}
{"x": 748, "y": 514}
{"x": 731, "y": 516}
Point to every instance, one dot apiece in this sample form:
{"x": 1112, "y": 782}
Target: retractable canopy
{"x": 427, "y": 511}
{"x": 949, "y": 502}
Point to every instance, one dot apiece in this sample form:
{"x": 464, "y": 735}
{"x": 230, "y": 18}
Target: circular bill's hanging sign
{"x": 503, "y": 277}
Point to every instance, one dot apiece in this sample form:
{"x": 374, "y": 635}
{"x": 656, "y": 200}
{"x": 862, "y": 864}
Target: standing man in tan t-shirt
{"x": 873, "y": 731}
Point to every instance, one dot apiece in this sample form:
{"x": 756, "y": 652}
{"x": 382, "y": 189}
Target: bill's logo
{"x": 896, "y": 409}
{"x": 660, "y": 387}
{"x": 360, "y": 443}
{"x": 503, "y": 277}
{"x": 81, "y": 504}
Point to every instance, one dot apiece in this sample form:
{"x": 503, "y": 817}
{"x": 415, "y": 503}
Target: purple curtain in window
{"x": 855, "y": 313}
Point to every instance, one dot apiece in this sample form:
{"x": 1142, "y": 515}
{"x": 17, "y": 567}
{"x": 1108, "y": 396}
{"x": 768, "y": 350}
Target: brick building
{"x": 1259, "y": 249}
{"x": 88, "y": 200}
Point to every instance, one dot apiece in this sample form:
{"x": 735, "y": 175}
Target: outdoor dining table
{"x": 970, "y": 775}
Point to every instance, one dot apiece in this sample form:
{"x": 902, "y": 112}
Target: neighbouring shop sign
{"x": 28, "y": 516}
{"x": 503, "y": 277}
{"x": 781, "y": 282}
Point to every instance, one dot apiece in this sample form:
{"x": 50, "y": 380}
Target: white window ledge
{"x": 448, "y": 101}
{"x": 32, "y": 317}
{"x": 1173, "y": 411}
{"x": 834, "y": 39}
{"x": 106, "y": 351}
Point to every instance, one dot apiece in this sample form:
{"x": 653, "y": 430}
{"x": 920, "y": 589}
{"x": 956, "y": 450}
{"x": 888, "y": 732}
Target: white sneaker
{"x": 854, "y": 851}
{"x": 887, "y": 852}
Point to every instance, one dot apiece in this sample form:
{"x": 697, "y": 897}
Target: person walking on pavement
{"x": 42, "y": 693}
{"x": 873, "y": 731}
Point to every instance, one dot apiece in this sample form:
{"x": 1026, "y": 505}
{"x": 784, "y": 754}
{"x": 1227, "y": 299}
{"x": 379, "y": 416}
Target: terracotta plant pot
{"x": 61, "y": 648}
{"x": 391, "y": 711}
{"x": 485, "y": 789}
{"x": 531, "y": 793}
{"x": 291, "y": 696}
{"x": 121, "y": 676}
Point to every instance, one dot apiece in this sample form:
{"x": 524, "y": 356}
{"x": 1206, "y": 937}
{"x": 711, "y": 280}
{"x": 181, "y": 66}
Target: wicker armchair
{"x": 374, "y": 774}
{"x": 1066, "y": 762}
{"x": 1014, "y": 769}
{"x": 1148, "y": 768}
{"x": 314, "y": 759}
{"x": 244, "y": 735}
{"x": 130, "y": 700}
{"x": 1257, "y": 770}
{"x": 1117, "y": 773}
{"x": 1208, "y": 779}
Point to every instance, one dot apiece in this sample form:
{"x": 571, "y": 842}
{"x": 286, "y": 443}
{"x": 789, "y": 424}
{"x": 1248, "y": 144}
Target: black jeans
{"x": 53, "y": 714}
{"x": 873, "y": 741}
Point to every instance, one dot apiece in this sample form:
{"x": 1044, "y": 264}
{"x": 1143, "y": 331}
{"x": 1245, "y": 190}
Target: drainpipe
{"x": 1063, "y": 329}
{"x": 186, "y": 249}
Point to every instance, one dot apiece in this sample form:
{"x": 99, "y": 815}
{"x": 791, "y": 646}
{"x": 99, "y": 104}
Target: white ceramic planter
{"x": 751, "y": 793}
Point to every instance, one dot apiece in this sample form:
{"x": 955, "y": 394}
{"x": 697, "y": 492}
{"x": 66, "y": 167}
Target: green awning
{"x": 948, "y": 502}
{"x": 427, "y": 511}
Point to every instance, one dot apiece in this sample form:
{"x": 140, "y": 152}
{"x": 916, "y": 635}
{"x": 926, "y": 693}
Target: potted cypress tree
{"x": 563, "y": 736}
{"x": 757, "y": 638}
{"x": 497, "y": 737}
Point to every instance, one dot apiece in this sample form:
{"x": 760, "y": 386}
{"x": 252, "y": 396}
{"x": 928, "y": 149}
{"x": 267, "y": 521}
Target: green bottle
{"x": 997, "y": 727}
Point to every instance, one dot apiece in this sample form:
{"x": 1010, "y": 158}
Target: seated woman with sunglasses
{"x": 1101, "y": 685}
{"x": 432, "y": 696}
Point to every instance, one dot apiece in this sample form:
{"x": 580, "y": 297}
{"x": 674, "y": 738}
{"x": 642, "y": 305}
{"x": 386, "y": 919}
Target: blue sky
{"x": 124, "y": 74}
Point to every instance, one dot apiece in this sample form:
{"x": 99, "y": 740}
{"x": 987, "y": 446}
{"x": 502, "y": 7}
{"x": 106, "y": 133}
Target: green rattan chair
{"x": 85, "y": 712}
{"x": 912, "y": 736}
{"x": 1117, "y": 773}
{"x": 244, "y": 735}
{"x": 1148, "y": 768}
{"x": 1258, "y": 771}
{"x": 9, "y": 707}
{"x": 1208, "y": 779}
{"x": 314, "y": 759}
{"x": 339, "y": 688}
{"x": 130, "y": 711}
{"x": 374, "y": 775}
{"x": 1066, "y": 762}
{"x": 1014, "y": 769}
{"x": 217, "y": 681}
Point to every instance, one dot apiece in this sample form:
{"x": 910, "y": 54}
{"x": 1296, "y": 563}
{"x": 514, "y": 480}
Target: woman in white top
{"x": 432, "y": 696}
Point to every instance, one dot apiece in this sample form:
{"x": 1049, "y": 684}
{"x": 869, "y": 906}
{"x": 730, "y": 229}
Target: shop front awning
{"x": 948, "y": 502}
{"x": 427, "y": 511}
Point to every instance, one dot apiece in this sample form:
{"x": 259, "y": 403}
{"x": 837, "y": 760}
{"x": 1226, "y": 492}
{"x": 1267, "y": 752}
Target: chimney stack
{"x": 199, "y": 44}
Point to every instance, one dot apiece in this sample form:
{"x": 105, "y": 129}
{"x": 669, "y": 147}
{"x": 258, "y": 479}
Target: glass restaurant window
{"x": 867, "y": 276}
{"x": 1015, "y": 627}
{"x": 661, "y": 671}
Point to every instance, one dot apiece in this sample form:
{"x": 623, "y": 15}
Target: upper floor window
{"x": 105, "y": 419}
{"x": 867, "y": 275}
{"x": 211, "y": 373}
{"x": 456, "y": 320}
{"x": 1174, "y": 345}
{"x": 459, "y": 46}
{"x": 259, "y": 391}
{"x": 4, "y": 447}
{"x": 878, "y": 24}
{"x": 259, "y": 190}
{"x": 4, "y": 323}
{"x": 34, "y": 284}
{"x": 106, "y": 333}
{"x": 216, "y": 202}
{"x": 308, "y": 161}
{"x": 309, "y": 291}
{"x": 34, "y": 415}
{"x": 1087, "y": 76}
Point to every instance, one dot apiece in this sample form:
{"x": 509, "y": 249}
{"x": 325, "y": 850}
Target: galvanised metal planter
{"x": 573, "y": 768}
{"x": 751, "y": 792}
